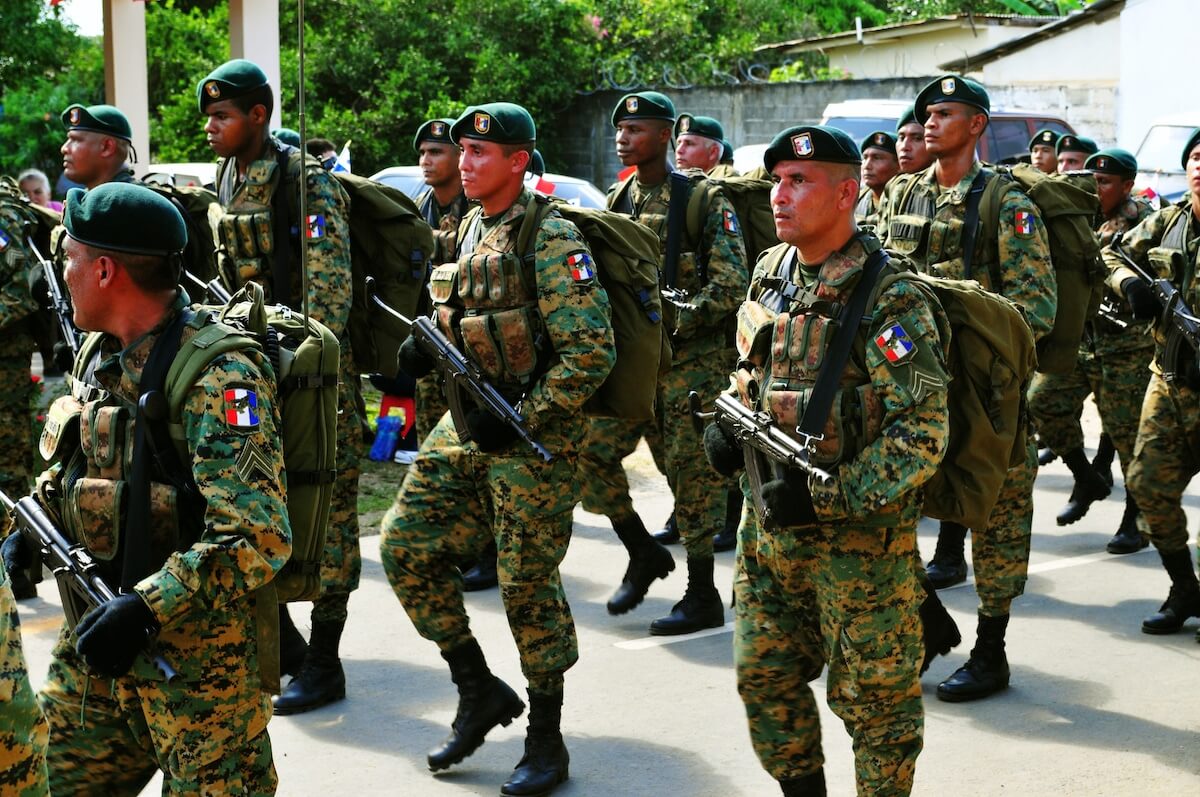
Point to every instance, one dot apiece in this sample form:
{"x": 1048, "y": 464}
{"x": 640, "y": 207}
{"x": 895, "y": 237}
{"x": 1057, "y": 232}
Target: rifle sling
{"x": 971, "y": 223}
{"x": 681, "y": 188}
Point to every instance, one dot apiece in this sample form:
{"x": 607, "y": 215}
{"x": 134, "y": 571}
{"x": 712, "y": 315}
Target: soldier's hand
{"x": 16, "y": 553}
{"x": 1142, "y": 300}
{"x": 110, "y": 636}
{"x": 412, "y": 360}
{"x": 724, "y": 453}
{"x": 788, "y": 502}
{"x": 489, "y": 432}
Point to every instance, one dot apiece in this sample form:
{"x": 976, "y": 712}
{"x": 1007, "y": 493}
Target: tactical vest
{"x": 652, "y": 213}
{"x": 784, "y": 332}
{"x": 1171, "y": 255}
{"x": 865, "y": 212}
{"x": 487, "y": 303}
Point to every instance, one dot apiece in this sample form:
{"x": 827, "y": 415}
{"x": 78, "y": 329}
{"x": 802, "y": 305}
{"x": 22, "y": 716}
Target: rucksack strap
{"x": 820, "y": 401}
{"x": 623, "y": 203}
{"x": 971, "y": 222}
{"x": 281, "y": 218}
{"x": 677, "y": 206}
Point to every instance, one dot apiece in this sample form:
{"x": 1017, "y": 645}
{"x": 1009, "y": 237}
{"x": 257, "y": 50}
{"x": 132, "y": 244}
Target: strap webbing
{"x": 971, "y": 222}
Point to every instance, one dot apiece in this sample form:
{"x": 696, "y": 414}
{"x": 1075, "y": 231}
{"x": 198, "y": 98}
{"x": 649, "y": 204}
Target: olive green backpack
{"x": 627, "y": 260}
{"x": 750, "y": 195}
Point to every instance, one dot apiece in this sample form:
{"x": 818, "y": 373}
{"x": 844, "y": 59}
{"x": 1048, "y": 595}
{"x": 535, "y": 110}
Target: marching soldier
{"x": 1073, "y": 151}
{"x": 698, "y": 142}
{"x": 911, "y": 154}
{"x": 879, "y": 165}
{"x": 1042, "y": 152}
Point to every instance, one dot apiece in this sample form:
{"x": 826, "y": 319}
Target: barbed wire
{"x": 632, "y": 72}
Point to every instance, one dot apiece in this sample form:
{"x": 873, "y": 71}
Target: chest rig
{"x": 783, "y": 338}
{"x": 487, "y": 303}
{"x": 651, "y": 208}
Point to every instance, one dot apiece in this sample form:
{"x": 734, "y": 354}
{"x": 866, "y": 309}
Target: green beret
{"x": 909, "y": 117}
{"x": 726, "y": 151}
{"x": 699, "y": 126}
{"x": 433, "y": 130}
{"x": 880, "y": 139}
{"x": 1069, "y": 142}
{"x": 1113, "y": 161}
{"x": 1191, "y": 144}
{"x": 97, "y": 119}
{"x": 537, "y": 164}
{"x": 231, "y": 79}
{"x": 287, "y": 135}
{"x": 951, "y": 88}
{"x": 501, "y": 122}
{"x": 1045, "y": 137}
{"x": 126, "y": 217}
{"x": 812, "y": 143}
{"x": 644, "y": 105}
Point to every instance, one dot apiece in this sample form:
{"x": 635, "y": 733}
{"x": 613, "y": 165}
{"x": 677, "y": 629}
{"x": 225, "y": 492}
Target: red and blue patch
{"x": 581, "y": 266}
{"x": 4, "y": 240}
{"x": 241, "y": 408}
{"x": 316, "y": 226}
{"x": 730, "y": 221}
{"x": 895, "y": 344}
{"x": 1023, "y": 223}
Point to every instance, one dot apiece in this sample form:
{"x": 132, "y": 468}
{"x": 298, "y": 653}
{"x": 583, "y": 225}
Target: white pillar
{"x": 254, "y": 35}
{"x": 125, "y": 82}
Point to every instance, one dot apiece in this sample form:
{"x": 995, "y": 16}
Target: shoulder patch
{"x": 316, "y": 226}
{"x": 896, "y": 344}
{"x": 730, "y": 221}
{"x": 582, "y": 268}
{"x": 241, "y": 409}
{"x": 4, "y": 240}
{"x": 1023, "y": 224}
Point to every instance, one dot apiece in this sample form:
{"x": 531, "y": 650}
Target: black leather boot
{"x": 668, "y": 534}
{"x": 484, "y": 701}
{"x": 292, "y": 647}
{"x": 1128, "y": 539}
{"x": 321, "y": 679}
{"x": 948, "y": 565}
{"x": 546, "y": 763}
{"x": 648, "y": 560}
{"x": 1102, "y": 462}
{"x": 482, "y": 575}
{"x": 701, "y": 605}
{"x": 1046, "y": 455}
{"x": 1183, "y": 601}
{"x": 726, "y": 538}
{"x": 810, "y": 785}
{"x": 939, "y": 630}
{"x": 1089, "y": 487}
{"x": 986, "y": 672}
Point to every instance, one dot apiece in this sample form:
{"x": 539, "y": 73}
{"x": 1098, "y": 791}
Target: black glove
{"x": 412, "y": 360}
{"x": 1142, "y": 301}
{"x": 16, "y": 554}
{"x": 788, "y": 502}
{"x": 489, "y": 432}
{"x": 724, "y": 453}
{"x": 110, "y": 636}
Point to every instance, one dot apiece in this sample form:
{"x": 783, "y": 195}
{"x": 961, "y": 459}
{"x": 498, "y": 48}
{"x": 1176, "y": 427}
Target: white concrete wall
{"x": 1158, "y": 38}
{"x": 1088, "y": 54}
{"x": 918, "y": 55}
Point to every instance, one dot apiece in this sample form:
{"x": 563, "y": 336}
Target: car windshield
{"x": 859, "y": 127}
{"x": 1160, "y": 149}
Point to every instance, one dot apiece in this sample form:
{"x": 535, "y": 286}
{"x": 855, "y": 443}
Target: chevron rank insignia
{"x": 253, "y": 461}
{"x": 922, "y": 383}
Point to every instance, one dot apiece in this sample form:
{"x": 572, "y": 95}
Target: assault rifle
{"x": 213, "y": 289}
{"x": 678, "y": 297}
{"x": 463, "y": 377}
{"x": 60, "y": 302}
{"x": 1111, "y": 313}
{"x": 1178, "y": 320}
{"x": 73, "y": 567}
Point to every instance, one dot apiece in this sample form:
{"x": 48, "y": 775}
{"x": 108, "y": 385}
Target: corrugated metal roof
{"x": 906, "y": 28}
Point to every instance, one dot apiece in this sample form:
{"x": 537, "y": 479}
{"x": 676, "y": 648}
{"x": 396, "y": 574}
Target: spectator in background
{"x": 323, "y": 150}
{"x": 36, "y": 185}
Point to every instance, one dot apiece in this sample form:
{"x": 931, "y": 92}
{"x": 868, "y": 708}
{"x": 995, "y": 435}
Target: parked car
{"x": 1158, "y": 155}
{"x": 182, "y": 174}
{"x": 1006, "y": 139}
{"x": 572, "y": 189}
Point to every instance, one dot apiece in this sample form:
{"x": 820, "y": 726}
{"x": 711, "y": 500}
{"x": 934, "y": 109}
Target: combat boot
{"x": 321, "y": 679}
{"x": 1183, "y": 601}
{"x": 669, "y": 533}
{"x": 939, "y": 630}
{"x": 292, "y": 647}
{"x": 701, "y": 605}
{"x": 726, "y": 538}
{"x": 986, "y": 672}
{"x": 1089, "y": 487}
{"x": 648, "y": 560}
{"x": 484, "y": 701}
{"x": 1046, "y": 455}
{"x": 482, "y": 575}
{"x": 23, "y": 588}
{"x": 1102, "y": 462}
{"x": 546, "y": 763}
{"x": 1128, "y": 539}
{"x": 810, "y": 785}
{"x": 948, "y": 565}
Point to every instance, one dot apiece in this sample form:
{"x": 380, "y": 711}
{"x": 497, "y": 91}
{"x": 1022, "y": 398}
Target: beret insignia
{"x": 212, "y": 89}
{"x": 948, "y": 85}
{"x": 438, "y": 129}
{"x": 483, "y": 122}
{"x": 802, "y": 145}
{"x": 74, "y": 117}
{"x": 880, "y": 140}
{"x": 1048, "y": 137}
{"x": 631, "y": 104}
{"x": 1101, "y": 163}
{"x": 685, "y": 124}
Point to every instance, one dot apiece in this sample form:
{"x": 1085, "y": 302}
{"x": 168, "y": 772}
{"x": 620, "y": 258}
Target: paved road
{"x": 1095, "y": 707}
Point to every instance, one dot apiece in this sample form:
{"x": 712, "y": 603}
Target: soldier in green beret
{"x": 923, "y": 220}
{"x": 910, "y": 144}
{"x": 698, "y": 142}
{"x": 879, "y": 166}
{"x": 99, "y": 145}
{"x": 1042, "y": 152}
{"x": 463, "y": 491}
{"x": 1073, "y": 152}
{"x": 287, "y": 135}
{"x": 260, "y": 235}
{"x": 189, "y": 589}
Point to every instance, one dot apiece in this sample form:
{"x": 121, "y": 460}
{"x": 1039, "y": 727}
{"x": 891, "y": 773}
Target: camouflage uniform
{"x": 431, "y": 403}
{"x": 867, "y": 210}
{"x": 329, "y": 294}
{"x": 207, "y": 728}
{"x": 928, "y": 229}
{"x": 23, "y": 729}
{"x": 455, "y": 496}
{"x": 1113, "y": 365}
{"x": 701, "y": 346}
{"x": 16, "y": 347}
{"x": 723, "y": 171}
{"x": 841, "y": 592}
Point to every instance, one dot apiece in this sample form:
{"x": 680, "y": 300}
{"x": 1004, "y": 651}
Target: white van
{"x": 1158, "y": 156}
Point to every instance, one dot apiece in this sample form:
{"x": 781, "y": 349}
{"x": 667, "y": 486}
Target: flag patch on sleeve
{"x": 895, "y": 344}
{"x": 1023, "y": 223}
{"x": 316, "y": 226}
{"x": 241, "y": 408}
{"x": 4, "y": 239}
{"x": 731, "y": 222}
{"x": 581, "y": 267}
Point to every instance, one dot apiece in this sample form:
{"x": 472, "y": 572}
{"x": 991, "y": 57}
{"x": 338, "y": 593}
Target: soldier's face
{"x": 952, "y": 127}
{"x": 79, "y": 276}
{"x": 809, "y": 199}
{"x": 696, "y": 152}
{"x": 1193, "y": 173}
{"x": 439, "y": 163}
{"x": 1042, "y": 158}
{"x": 1071, "y": 161}
{"x": 1111, "y": 190}
{"x": 642, "y": 140}
{"x": 878, "y": 167}
{"x": 487, "y": 172}
{"x": 83, "y": 156}
{"x": 910, "y": 148}
{"x": 228, "y": 131}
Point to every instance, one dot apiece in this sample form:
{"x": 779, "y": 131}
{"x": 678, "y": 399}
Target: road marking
{"x": 660, "y": 641}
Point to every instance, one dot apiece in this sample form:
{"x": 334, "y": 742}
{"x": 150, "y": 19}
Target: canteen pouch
{"x": 60, "y": 434}
{"x": 907, "y": 234}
